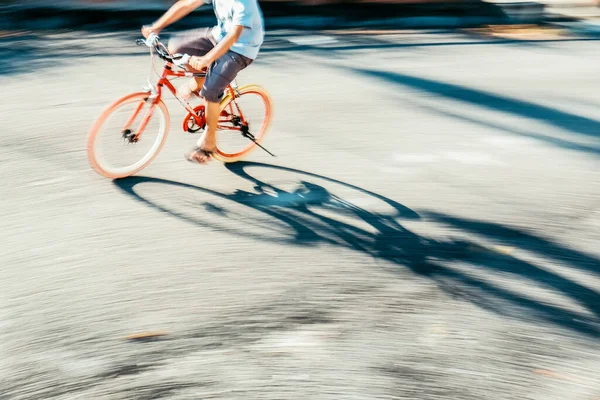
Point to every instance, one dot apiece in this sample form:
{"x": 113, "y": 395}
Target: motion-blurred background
{"x": 429, "y": 229}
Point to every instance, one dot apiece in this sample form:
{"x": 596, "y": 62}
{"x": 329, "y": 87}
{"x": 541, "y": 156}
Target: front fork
{"x": 153, "y": 98}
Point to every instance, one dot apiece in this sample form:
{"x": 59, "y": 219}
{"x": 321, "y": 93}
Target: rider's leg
{"x": 220, "y": 74}
{"x": 208, "y": 142}
{"x": 196, "y": 42}
{"x": 192, "y": 87}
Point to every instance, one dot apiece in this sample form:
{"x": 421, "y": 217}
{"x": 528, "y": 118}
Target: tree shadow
{"x": 343, "y": 42}
{"x": 312, "y": 214}
{"x": 561, "y": 119}
{"x": 34, "y": 50}
{"x": 31, "y": 51}
{"x": 505, "y": 128}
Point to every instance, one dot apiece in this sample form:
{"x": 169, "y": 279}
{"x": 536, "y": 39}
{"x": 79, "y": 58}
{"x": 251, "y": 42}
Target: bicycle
{"x": 231, "y": 119}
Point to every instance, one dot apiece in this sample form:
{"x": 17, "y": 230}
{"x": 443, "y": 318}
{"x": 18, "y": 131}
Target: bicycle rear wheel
{"x": 127, "y": 136}
{"x": 244, "y": 122}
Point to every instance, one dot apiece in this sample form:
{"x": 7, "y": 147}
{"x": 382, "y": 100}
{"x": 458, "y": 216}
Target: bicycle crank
{"x": 190, "y": 124}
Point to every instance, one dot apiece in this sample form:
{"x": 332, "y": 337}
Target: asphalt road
{"x": 430, "y": 228}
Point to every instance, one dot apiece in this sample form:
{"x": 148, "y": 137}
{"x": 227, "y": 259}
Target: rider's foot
{"x": 199, "y": 155}
{"x": 202, "y": 153}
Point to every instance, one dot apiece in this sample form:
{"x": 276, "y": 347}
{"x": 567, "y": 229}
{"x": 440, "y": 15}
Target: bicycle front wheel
{"x": 244, "y": 122}
{"x": 128, "y": 135}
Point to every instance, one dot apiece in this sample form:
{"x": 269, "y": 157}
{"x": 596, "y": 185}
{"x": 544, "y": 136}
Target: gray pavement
{"x": 430, "y": 228}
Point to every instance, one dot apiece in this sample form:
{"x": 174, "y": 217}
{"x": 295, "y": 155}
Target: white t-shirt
{"x": 246, "y": 13}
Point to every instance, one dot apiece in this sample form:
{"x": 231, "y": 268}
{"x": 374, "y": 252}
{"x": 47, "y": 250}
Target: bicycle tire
{"x": 116, "y": 173}
{"x": 246, "y": 90}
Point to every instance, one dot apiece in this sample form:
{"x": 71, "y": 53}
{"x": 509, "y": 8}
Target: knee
{"x": 211, "y": 92}
{"x": 173, "y": 46}
{"x": 211, "y": 98}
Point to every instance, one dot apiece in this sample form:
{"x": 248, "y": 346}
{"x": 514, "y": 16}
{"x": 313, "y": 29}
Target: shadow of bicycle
{"x": 297, "y": 208}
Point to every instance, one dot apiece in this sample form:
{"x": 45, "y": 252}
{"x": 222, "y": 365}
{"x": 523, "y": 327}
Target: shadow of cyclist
{"x": 313, "y": 215}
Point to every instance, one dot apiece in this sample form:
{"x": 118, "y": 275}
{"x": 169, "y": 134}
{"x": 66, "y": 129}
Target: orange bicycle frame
{"x": 164, "y": 81}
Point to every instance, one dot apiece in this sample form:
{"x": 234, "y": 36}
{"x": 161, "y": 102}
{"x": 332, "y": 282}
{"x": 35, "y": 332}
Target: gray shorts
{"x": 222, "y": 72}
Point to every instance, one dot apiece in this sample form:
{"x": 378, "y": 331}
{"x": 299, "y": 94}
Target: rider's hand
{"x": 199, "y": 63}
{"x": 147, "y": 30}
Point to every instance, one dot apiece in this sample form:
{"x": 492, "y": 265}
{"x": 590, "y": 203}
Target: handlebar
{"x": 161, "y": 50}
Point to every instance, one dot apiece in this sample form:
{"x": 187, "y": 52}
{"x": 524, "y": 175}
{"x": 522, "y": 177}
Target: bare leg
{"x": 196, "y": 84}
{"x": 208, "y": 142}
{"x": 191, "y": 87}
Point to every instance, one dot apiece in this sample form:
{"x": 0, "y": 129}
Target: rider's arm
{"x": 175, "y": 13}
{"x": 242, "y": 18}
{"x": 225, "y": 44}
{"x": 200, "y": 63}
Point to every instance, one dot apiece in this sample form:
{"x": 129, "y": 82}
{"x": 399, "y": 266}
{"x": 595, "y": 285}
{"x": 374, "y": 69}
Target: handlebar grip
{"x": 152, "y": 39}
{"x": 181, "y": 59}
